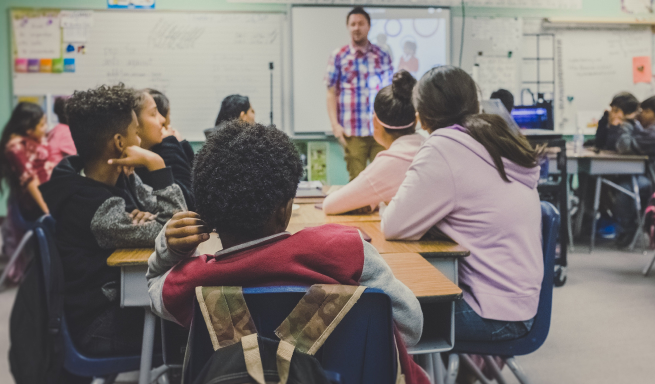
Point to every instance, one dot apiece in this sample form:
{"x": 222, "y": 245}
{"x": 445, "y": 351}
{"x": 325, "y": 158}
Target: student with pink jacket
{"x": 59, "y": 138}
{"x": 394, "y": 125}
{"x": 475, "y": 180}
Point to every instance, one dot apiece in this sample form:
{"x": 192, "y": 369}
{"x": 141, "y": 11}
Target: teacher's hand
{"x": 340, "y": 134}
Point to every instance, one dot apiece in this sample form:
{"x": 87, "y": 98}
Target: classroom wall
{"x": 336, "y": 166}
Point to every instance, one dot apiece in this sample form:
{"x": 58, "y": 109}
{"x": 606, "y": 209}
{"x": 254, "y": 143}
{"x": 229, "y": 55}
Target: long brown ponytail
{"x": 447, "y": 95}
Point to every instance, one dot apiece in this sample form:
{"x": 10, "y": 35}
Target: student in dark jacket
{"x": 647, "y": 114}
{"x": 99, "y": 205}
{"x": 153, "y": 114}
{"x": 623, "y": 110}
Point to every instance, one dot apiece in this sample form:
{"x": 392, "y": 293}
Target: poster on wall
{"x": 131, "y": 4}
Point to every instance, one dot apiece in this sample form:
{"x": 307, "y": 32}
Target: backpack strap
{"x": 317, "y": 314}
{"x": 226, "y": 315}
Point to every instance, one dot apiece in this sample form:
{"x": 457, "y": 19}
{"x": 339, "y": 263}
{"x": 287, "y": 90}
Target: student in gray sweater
{"x": 99, "y": 205}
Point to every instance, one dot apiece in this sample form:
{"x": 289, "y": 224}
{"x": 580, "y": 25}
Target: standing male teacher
{"x": 355, "y": 74}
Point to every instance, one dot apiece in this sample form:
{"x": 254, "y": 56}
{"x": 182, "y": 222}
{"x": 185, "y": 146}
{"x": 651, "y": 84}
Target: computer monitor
{"x": 538, "y": 116}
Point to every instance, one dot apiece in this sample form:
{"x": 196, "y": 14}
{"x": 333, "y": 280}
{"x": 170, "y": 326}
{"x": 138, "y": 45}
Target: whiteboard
{"x": 592, "y": 66}
{"x": 318, "y": 31}
{"x": 195, "y": 58}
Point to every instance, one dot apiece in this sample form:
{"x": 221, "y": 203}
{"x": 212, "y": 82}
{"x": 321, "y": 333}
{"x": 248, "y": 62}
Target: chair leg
{"x": 498, "y": 375}
{"x": 453, "y": 368}
{"x": 26, "y": 237}
{"x": 429, "y": 367}
{"x": 466, "y": 360}
{"x": 649, "y": 266}
{"x": 439, "y": 369}
{"x": 517, "y": 370}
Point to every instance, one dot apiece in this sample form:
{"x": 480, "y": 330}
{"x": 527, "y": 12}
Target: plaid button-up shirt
{"x": 358, "y": 75}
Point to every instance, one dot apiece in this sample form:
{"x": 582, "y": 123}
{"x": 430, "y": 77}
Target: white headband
{"x": 391, "y": 126}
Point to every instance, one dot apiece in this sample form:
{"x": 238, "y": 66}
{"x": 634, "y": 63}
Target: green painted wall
{"x": 336, "y": 166}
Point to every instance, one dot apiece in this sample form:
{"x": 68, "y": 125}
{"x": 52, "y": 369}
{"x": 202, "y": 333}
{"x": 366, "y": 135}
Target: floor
{"x": 602, "y": 327}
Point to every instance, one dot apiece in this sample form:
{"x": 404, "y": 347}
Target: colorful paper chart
{"x": 20, "y": 65}
{"x": 69, "y": 64}
{"x": 57, "y": 65}
{"x": 33, "y": 65}
{"x": 45, "y": 66}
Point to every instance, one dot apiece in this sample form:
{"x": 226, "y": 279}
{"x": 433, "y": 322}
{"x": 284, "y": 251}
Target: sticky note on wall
{"x": 641, "y": 69}
{"x": 69, "y": 64}
{"x": 33, "y": 65}
{"x": 57, "y": 65}
{"x": 20, "y": 65}
{"x": 45, "y": 66}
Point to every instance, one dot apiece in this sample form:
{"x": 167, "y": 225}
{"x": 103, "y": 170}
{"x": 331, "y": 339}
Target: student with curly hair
{"x": 245, "y": 179}
{"x": 99, "y": 205}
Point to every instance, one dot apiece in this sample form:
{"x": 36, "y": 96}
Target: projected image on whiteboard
{"x": 415, "y": 45}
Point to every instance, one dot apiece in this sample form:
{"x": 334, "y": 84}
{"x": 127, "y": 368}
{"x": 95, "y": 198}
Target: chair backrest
{"x": 74, "y": 361}
{"x": 550, "y": 221}
{"x": 360, "y": 350}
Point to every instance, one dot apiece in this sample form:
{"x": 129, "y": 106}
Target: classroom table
{"x": 605, "y": 163}
{"x": 308, "y": 213}
{"x": 434, "y": 289}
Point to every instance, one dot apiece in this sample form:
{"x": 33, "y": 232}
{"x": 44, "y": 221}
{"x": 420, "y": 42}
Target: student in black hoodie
{"x": 621, "y": 116}
{"x": 99, "y": 205}
{"x": 159, "y": 138}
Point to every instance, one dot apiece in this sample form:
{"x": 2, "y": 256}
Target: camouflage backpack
{"x": 242, "y": 356}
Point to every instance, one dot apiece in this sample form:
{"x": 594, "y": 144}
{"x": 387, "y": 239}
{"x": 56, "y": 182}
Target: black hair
{"x": 393, "y": 104}
{"x": 447, "y": 95}
{"x": 359, "y": 11}
{"x": 231, "y": 108}
{"x": 242, "y": 175}
{"x": 626, "y": 102}
{"x": 60, "y": 109}
{"x": 96, "y": 115}
{"x": 505, "y": 97}
{"x": 649, "y": 103}
{"x": 24, "y": 117}
{"x": 163, "y": 104}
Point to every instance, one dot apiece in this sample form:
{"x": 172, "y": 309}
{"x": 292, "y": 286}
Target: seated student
{"x": 233, "y": 107}
{"x": 164, "y": 108}
{"x": 99, "y": 205}
{"x": 476, "y": 181}
{"x": 24, "y": 165}
{"x": 394, "y": 125}
{"x": 59, "y": 138}
{"x": 153, "y": 134}
{"x": 505, "y": 97}
{"x": 623, "y": 110}
{"x": 647, "y": 114}
{"x": 247, "y": 175}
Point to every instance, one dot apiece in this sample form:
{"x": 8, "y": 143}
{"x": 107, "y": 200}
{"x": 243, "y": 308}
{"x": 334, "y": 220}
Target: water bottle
{"x": 578, "y": 142}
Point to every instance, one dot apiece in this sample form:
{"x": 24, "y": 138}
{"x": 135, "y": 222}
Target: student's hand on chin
{"x": 133, "y": 157}
{"x": 185, "y": 231}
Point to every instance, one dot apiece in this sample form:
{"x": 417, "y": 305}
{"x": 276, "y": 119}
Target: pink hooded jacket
{"x": 454, "y": 184}
{"x": 379, "y": 182}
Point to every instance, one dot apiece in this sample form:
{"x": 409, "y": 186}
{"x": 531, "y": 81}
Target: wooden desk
{"x": 372, "y": 228}
{"x": 308, "y": 213}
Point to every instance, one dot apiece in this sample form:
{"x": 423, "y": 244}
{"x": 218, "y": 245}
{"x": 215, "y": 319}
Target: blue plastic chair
{"x": 27, "y": 226}
{"x": 361, "y": 350}
{"x": 102, "y": 369}
{"x": 550, "y": 221}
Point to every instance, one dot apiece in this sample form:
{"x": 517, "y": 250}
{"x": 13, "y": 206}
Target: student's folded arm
{"x": 112, "y": 227}
{"x": 356, "y": 194}
{"x": 425, "y": 197}
{"x": 162, "y": 197}
{"x": 407, "y": 312}
{"x": 159, "y": 265}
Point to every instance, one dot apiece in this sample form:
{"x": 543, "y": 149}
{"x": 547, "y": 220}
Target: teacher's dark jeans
{"x": 469, "y": 326}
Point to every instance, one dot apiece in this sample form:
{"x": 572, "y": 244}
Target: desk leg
{"x": 569, "y": 222}
{"x": 638, "y": 233}
{"x": 147, "y": 346}
{"x": 594, "y": 218}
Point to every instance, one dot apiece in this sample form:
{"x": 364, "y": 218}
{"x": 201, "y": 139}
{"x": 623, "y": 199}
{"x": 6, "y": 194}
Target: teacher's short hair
{"x": 359, "y": 11}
